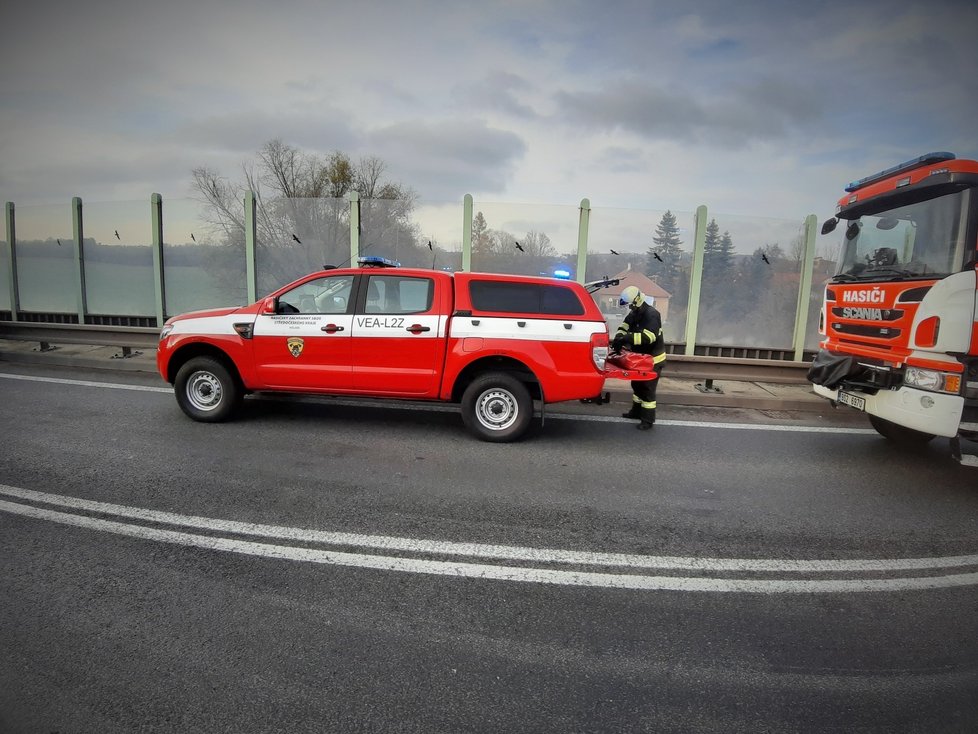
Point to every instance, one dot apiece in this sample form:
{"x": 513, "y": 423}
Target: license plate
{"x": 853, "y": 401}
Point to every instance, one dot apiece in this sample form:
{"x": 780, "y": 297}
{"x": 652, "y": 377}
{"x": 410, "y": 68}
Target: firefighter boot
{"x": 648, "y": 419}
{"x": 634, "y": 412}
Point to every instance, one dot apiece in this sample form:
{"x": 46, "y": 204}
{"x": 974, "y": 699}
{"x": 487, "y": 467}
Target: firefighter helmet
{"x": 631, "y": 297}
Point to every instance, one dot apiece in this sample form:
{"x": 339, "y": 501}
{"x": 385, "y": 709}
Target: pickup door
{"x": 398, "y": 335}
{"x": 306, "y": 344}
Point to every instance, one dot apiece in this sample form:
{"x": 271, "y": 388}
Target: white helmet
{"x": 631, "y": 297}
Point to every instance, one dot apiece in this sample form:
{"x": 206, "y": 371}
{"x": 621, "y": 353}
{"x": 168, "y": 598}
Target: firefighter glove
{"x": 618, "y": 342}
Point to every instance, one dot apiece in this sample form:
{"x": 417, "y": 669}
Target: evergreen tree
{"x": 710, "y": 251}
{"x": 667, "y": 268}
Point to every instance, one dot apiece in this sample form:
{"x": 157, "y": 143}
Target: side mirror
{"x": 269, "y": 305}
{"x": 829, "y": 225}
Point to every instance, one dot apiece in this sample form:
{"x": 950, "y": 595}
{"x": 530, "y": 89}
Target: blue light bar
{"x": 377, "y": 262}
{"x": 562, "y": 274}
{"x": 910, "y": 165}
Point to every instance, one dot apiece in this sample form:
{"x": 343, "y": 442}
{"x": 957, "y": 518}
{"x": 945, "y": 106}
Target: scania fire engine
{"x": 899, "y": 320}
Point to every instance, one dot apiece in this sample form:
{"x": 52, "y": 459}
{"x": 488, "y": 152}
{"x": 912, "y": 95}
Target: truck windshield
{"x": 926, "y": 239}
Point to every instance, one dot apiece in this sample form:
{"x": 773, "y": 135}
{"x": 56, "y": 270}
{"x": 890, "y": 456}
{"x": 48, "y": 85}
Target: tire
{"x": 497, "y": 407}
{"x": 899, "y": 434}
{"x": 206, "y": 390}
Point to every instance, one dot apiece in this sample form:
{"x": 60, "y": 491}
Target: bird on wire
{"x": 296, "y": 238}
{"x": 520, "y": 247}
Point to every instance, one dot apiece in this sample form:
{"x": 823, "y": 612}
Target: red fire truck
{"x": 899, "y": 319}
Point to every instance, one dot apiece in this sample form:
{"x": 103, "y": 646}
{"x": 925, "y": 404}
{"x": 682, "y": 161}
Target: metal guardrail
{"x": 772, "y": 368}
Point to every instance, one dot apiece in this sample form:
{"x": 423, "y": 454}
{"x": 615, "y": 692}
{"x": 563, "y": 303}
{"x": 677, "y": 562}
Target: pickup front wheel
{"x": 206, "y": 391}
{"x": 497, "y": 407}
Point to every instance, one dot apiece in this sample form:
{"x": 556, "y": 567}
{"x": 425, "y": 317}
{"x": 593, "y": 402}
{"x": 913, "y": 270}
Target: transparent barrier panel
{"x": 4, "y": 276}
{"x": 828, "y": 249}
{"x": 299, "y": 236}
{"x": 652, "y": 250}
{"x": 751, "y": 276}
{"x": 441, "y": 225}
{"x": 401, "y": 231}
{"x": 46, "y": 277}
{"x": 524, "y": 239}
{"x": 203, "y": 256}
{"x": 119, "y": 258}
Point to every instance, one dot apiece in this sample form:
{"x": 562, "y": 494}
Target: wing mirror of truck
{"x": 829, "y": 225}
{"x": 269, "y": 305}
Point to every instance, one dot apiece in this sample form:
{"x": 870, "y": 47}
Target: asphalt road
{"x": 333, "y": 566}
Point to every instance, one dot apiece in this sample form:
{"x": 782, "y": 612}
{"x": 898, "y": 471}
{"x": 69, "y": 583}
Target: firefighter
{"x": 641, "y": 332}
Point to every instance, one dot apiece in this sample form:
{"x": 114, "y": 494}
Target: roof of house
{"x": 645, "y": 284}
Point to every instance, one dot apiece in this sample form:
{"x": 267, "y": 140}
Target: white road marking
{"x": 441, "y": 408}
{"x": 86, "y": 383}
{"x": 474, "y": 570}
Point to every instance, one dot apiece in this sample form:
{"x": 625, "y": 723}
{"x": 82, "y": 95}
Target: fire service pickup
{"x": 491, "y": 343}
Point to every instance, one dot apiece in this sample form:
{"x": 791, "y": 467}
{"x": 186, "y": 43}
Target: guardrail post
{"x": 354, "y": 227}
{"x": 582, "y": 234}
{"x": 695, "y": 280}
{"x": 79, "y": 235}
{"x": 251, "y": 246}
{"x": 159, "y": 277}
{"x": 12, "y": 261}
{"x": 467, "y": 233}
{"x": 805, "y": 287}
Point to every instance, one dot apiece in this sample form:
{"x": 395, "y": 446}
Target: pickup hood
{"x": 204, "y": 314}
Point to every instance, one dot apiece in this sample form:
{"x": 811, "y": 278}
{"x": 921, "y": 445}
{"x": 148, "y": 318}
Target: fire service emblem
{"x": 295, "y": 345}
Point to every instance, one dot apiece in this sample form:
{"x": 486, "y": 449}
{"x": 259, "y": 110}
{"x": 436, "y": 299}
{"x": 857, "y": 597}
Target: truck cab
{"x": 899, "y": 321}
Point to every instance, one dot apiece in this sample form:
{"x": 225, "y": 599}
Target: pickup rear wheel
{"x": 497, "y": 407}
{"x": 899, "y": 434}
{"x": 206, "y": 391}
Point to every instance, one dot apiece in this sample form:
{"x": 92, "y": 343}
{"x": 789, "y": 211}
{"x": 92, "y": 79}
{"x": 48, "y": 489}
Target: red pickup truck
{"x": 492, "y": 343}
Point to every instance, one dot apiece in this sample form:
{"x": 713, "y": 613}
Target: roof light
{"x": 377, "y": 262}
{"x": 562, "y": 274}
{"x": 905, "y": 166}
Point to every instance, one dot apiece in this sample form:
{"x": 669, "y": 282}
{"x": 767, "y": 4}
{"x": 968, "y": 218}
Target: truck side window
{"x": 329, "y": 295}
{"x": 509, "y": 297}
{"x": 397, "y": 294}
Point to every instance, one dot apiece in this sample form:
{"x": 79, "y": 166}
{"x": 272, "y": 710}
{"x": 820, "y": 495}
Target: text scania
{"x": 874, "y": 296}
{"x": 867, "y": 314}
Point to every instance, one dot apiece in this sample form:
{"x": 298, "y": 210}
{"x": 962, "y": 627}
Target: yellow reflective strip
{"x": 637, "y": 339}
{"x": 636, "y": 399}
{"x": 659, "y": 358}
{"x": 651, "y": 335}
{"x": 649, "y": 405}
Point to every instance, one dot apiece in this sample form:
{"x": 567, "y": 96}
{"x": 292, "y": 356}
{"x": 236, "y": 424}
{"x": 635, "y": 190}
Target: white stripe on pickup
{"x": 213, "y": 325}
{"x": 551, "y": 330}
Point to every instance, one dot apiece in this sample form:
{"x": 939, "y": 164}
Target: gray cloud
{"x": 498, "y": 92}
{"x": 446, "y": 160}
{"x": 766, "y": 109}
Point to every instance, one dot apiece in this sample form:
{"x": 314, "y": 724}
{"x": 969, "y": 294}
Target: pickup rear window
{"x": 509, "y": 297}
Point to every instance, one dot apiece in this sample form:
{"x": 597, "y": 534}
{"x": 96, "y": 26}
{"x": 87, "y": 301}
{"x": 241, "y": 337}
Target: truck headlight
{"x": 165, "y": 332}
{"x": 932, "y": 380}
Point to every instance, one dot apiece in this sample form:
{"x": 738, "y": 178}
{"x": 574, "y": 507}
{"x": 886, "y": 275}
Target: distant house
{"x": 607, "y": 298}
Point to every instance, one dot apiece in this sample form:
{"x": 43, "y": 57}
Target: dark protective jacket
{"x": 643, "y": 332}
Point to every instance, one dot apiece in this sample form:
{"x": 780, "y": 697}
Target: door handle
{"x": 418, "y": 328}
{"x": 331, "y": 328}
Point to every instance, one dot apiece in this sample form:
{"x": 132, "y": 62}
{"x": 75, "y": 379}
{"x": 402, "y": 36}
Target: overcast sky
{"x": 751, "y": 107}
